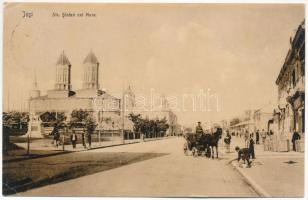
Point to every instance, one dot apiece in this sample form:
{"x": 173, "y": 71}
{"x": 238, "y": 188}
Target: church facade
{"x": 62, "y": 99}
{"x": 103, "y": 107}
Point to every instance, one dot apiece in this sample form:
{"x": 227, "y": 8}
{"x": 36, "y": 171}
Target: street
{"x": 172, "y": 175}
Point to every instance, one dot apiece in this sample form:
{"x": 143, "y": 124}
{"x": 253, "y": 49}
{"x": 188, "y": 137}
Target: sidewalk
{"x": 44, "y": 148}
{"x": 273, "y": 174}
{"x": 45, "y": 144}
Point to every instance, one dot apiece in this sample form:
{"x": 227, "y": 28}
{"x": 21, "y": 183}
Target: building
{"x": 262, "y": 117}
{"x": 63, "y": 99}
{"x": 244, "y": 123}
{"x": 289, "y": 116}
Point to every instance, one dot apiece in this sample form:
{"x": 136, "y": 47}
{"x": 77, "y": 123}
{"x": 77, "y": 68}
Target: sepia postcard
{"x": 153, "y": 100}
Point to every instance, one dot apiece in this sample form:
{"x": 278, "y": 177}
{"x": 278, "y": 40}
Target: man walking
{"x": 74, "y": 139}
{"x": 295, "y": 137}
{"x": 252, "y": 148}
{"x": 56, "y": 135}
{"x": 83, "y": 137}
{"x": 227, "y": 141}
{"x": 257, "y": 137}
{"x": 89, "y": 139}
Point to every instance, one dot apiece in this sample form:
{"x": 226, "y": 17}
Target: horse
{"x": 210, "y": 141}
{"x": 216, "y": 136}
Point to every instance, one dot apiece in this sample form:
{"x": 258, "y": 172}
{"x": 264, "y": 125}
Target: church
{"x": 62, "y": 99}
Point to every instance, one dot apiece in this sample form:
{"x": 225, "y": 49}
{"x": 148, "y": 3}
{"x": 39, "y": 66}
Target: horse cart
{"x": 202, "y": 143}
{"x": 193, "y": 144}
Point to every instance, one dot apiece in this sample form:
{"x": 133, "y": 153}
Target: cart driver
{"x": 199, "y": 130}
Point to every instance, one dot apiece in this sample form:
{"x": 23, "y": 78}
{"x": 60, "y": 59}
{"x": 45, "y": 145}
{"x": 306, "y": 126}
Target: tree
{"x": 163, "y": 126}
{"x": 148, "y": 127}
{"x": 51, "y": 118}
{"x": 82, "y": 118}
{"x": 78, "y": 118}
{"x": 90, "y": 124}
{"x": 137, "y": 120}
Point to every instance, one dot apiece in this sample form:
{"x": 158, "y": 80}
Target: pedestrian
{"x": 56, "y": 135}
{"x": 295, "y": 137}
{"x": 83, "y": 137}
{"x": 89, "y": 139}
{"x": 257, "y": 137}
{"x": 263, "y": 135}
{"x": 252, "y": 148}
{"x": 227, "y": 141}
{"x": 243, "y": 154}
{"x": 271, "y": 133}
{"x": 74, "y": 139}
{"x": 246, "y": 137}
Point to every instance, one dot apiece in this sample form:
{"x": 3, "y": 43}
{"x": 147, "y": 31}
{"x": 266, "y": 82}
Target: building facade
{"x": 290, "y": 114}
{"x": 62, "y": 99}
{"x": 262, "y": 118}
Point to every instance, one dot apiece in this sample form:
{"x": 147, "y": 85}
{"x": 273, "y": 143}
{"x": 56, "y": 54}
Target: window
{"x": 293, "y": 78}
{"x": 298, "y": 66}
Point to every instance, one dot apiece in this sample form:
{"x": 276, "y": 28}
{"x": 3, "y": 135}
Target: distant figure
{"x": 56, "y": 135}
{"x": 83, "y": 136}
{"x": 295, "y": 137}
{"x": 252, "y": 148}
{"x": 74, "y": 139}
{"x": 243, "y": 154}
{"x": 89, "y": 139}
{"x": 227, "y": 141}
{"x": 271, "y": 133}
{"x": 257, "y": 137}
{"x": 199, "y": 129}
{"x": 263, "y": 135}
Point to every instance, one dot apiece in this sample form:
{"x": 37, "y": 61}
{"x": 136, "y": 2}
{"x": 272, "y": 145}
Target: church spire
{"x": 63, "y": 60}
{"x": 63, "y": 73}
{"x": 91, "y": 58}
{"x": 91, "y": 72}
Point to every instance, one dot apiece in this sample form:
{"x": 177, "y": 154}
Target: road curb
{"x": 259, "y": 190}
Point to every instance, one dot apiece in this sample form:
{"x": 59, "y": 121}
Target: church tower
{"x": 63, "y": 73}
{"x": 91, "y": 72}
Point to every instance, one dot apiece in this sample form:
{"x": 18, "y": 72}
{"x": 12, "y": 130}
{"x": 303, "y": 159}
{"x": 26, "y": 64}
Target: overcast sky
{"x": 236, "y": 51}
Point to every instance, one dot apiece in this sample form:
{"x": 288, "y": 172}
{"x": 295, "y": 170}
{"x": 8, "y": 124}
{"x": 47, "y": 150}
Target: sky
{"x": 233, "y": 53}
